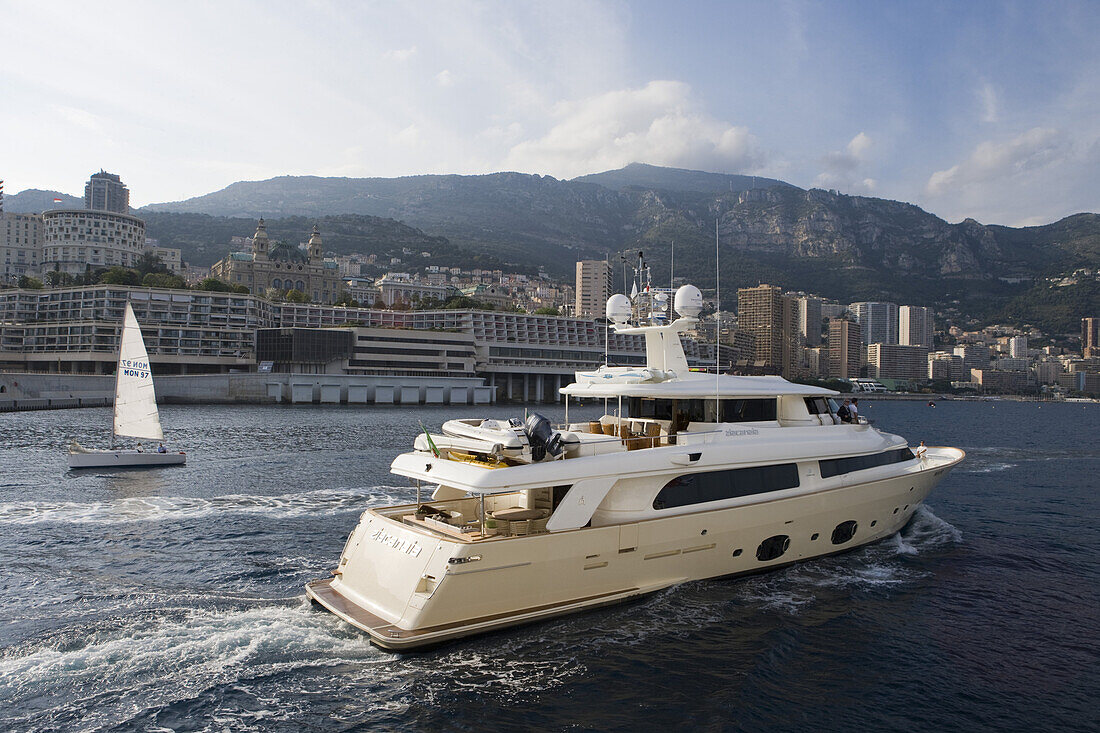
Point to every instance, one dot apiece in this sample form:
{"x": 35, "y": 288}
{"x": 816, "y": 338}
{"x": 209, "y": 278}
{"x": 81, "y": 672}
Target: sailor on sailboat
{"x": 136, "y": 413}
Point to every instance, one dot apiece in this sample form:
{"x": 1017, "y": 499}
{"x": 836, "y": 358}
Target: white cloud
{"x": 409, "y": 136}
{"x": 400, "y": 54}
{"x": 79, "y": 117}
{"x": 445, "y": 78}
{"x": 987, "y": 97}
{"x": 1035, "y": 149}
{"x": 842, "y": 166}
{"x": 859, "y": 145}
{"x": 660, "y": 123}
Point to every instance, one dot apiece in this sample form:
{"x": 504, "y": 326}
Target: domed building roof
{"x": 287, "y": 252}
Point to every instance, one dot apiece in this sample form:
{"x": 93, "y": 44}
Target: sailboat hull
{"x": 124, "y": 459}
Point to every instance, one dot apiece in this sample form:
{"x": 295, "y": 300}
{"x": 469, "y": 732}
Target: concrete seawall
{"x": 29, "y": 391}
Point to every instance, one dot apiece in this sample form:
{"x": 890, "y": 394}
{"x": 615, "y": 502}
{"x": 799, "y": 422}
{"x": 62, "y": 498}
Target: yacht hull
{"x": 124, "y": 459}
{"x": 409, "y": 588}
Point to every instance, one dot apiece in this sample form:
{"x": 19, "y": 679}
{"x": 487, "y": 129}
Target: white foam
{"x": 155, "y": 508}
{"x": 137, "y": 665}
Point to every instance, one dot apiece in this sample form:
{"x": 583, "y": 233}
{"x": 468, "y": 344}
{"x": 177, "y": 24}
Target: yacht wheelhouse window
{"x": 817, "y": 405}
{"x": 700, "y": 488}
{"x": 733, "y": 410}
{"x": 838, "y": 466}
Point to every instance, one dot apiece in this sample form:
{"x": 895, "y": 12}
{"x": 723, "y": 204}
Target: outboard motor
{"x": 542, "y": 437}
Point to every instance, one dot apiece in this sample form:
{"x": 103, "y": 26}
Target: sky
{"x": 989, "y": 110}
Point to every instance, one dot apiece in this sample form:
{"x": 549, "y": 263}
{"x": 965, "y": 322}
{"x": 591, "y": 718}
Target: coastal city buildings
{"x": 915, "y": 326}
{"x": 1090, "y": 338}
{"x": 844, "y": 342}
{"x": 593, "y": 288}
{"x": 771, "y": 319}
{"x": 282, "y": 267}
{"x": 106, "y": 192}
{"x": 897, "y": 361}
{"x": 102, "y": 234}
{"x": 20, "y": 246}
{"x": 809, "y": 319}
{"x": 878, "y": 322}
{"x": 77, "y": 239}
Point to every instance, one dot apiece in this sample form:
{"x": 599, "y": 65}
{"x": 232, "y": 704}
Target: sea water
{"x": 171, "y": 599}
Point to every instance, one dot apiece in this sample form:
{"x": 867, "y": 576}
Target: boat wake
{"x": 170, "y": 508}
{"x": 112, "y": 674}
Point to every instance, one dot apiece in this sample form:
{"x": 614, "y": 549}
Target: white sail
{"x": 135, "y": 401}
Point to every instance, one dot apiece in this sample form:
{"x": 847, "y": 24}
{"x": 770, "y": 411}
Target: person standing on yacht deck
{"x": 853, "y": 409}
{"x": 845, "y": 413}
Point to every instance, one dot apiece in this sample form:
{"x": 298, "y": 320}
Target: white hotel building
{"x": 76, "y": 239}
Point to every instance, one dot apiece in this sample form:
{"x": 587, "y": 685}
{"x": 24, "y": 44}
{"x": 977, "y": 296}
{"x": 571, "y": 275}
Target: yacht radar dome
{"x": 618, "y": 308}
{"x": 688, "y": 301}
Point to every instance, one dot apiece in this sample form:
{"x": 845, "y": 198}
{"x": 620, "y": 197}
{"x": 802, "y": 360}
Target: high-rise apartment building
{"x": 102, "y": 234}
{"x": 878, "y": 322}
{"x": 106, "y": 192}
{"x": 1090, "y": 337}
{"x": 915, "y": 326}
{"x": 1017, "y": 347}
{"x": 895, "y": 361}
{"x": 20, "y": 246}
{"x": 809, "y": 319}
{"x": 845, "y": 348}
{"x": 772, "y": 320}
{"x": 593, "y": 288}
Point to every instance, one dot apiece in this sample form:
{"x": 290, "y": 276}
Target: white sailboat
{"x": 136, "y": 413}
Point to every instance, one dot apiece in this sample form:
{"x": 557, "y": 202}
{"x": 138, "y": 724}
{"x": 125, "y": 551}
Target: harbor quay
{"x": 39, "y": 391}
{"x": 62, "y": 344}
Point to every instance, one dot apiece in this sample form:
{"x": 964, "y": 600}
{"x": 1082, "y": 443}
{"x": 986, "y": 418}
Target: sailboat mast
{"x": 118, "y": 373}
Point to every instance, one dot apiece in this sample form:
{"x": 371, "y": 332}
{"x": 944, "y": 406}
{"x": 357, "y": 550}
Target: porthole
{"x": 737, "y": 552}
{"x": 844, "y": 532}
{"x": 874, "y": 522}
{"x": 895, "y": 510}
{"x": 773, "y": 547}
{"x": 814, "y": 537}
{"x": 906, "y": 508}
{"x": 703, "y": 532}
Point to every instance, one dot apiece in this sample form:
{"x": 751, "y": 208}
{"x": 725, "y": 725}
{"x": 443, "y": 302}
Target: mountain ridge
{"x": 847, "y": 247}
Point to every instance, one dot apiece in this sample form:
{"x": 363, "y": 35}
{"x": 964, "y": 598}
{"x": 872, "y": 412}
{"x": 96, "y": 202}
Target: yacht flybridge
{"x": 687, "y": 476}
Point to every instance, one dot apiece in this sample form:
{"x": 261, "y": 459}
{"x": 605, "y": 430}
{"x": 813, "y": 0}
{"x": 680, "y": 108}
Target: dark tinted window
{"x": 751, "y": 410}
{"x": 838, "y": 466}
{"x": 748, "y": 410}
{"x": 699, "y": 488}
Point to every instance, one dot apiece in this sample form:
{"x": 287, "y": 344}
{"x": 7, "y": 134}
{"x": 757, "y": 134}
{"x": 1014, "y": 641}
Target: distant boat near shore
{"x": 136, "y": 414}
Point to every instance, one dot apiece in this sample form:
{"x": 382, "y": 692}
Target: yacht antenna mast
{"x": 717, "y": 324}
{"x": 671, "y": 279}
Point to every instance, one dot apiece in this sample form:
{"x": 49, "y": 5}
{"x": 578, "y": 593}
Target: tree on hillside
{"x": 149, "y": 262}
{"x": 296, "y": 296}
{"x": 121, "y": 276}
{"x": 215, "y": 285}
{"x": 30, "y": 283}
{"x": 164, "y": 280}
{"x": 58, "y": 279}
{"x": 548, "y": 311}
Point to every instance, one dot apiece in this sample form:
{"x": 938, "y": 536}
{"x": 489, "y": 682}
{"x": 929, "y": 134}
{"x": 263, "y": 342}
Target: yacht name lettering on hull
{"x": 733, "y": 432}
{"x": 401, "y": 545}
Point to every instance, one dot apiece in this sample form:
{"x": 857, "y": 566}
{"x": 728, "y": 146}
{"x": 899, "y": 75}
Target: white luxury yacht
{"x": 687, "y": 476}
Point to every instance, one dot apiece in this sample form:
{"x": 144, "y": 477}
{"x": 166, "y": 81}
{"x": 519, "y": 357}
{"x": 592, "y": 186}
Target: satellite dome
{"x": 661, "y": 297}
{"x": 618, "y": 308}
{"x": 688, "y": 301}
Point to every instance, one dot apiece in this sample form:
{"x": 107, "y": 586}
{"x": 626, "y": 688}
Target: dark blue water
{"x": 172, "y": 599}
